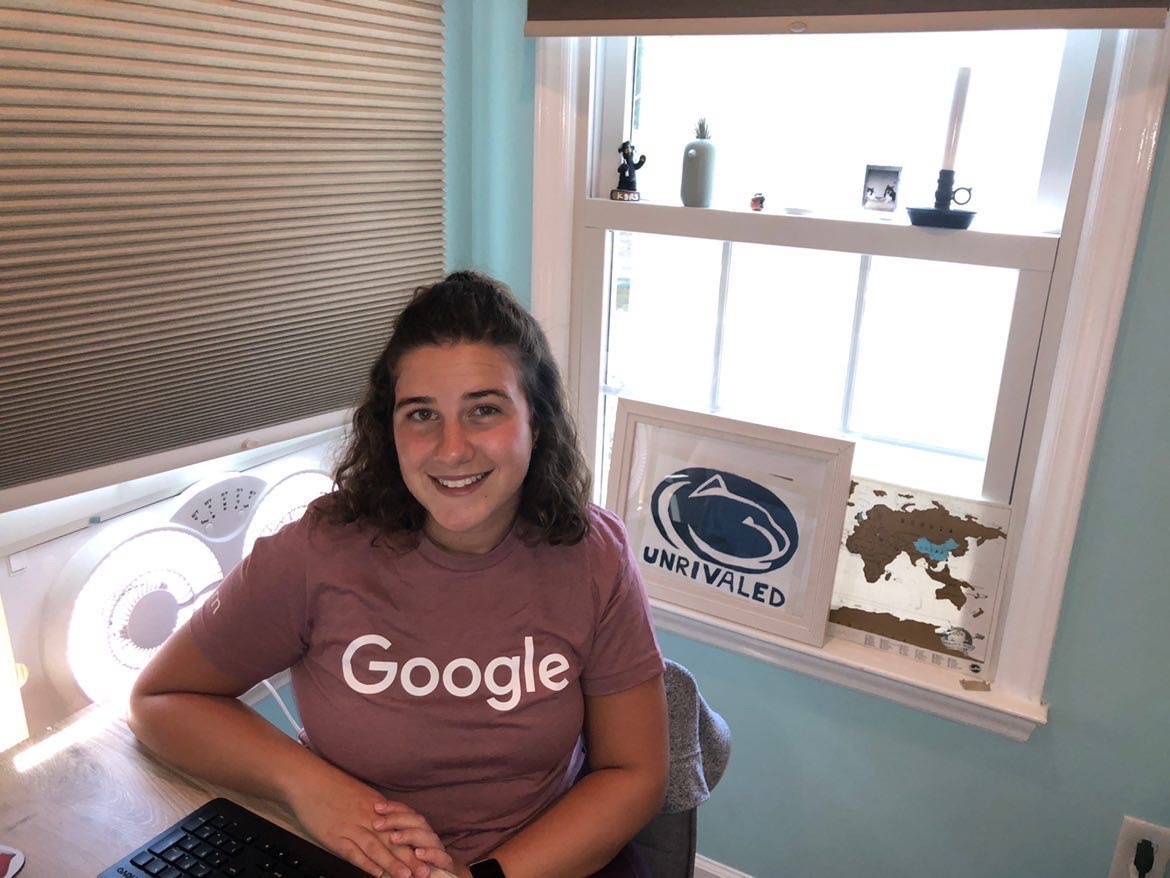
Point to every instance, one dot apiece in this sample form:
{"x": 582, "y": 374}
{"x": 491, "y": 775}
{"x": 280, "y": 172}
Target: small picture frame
{"x": 880, "y": 191}
{"x": 729, "y": 519}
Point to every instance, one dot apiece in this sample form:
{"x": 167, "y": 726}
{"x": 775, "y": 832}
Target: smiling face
{"x": 463, "y": 432}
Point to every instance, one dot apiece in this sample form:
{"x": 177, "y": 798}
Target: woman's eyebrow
{"x": 413, "y": 400}
{"x": 490, "y": 391}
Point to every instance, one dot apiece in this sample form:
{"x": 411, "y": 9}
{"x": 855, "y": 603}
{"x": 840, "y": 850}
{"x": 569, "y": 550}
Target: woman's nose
{"x": 453, "y": 444}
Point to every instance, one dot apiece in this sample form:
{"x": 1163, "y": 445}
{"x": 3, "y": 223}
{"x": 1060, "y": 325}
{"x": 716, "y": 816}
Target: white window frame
{"x": 1096, "y": 278}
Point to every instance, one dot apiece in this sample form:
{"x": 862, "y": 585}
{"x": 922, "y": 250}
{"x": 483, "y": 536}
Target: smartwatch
{"x": 487, "y": 869}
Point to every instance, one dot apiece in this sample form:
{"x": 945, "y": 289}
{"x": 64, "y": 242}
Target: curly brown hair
{"x": 465, "y": 307}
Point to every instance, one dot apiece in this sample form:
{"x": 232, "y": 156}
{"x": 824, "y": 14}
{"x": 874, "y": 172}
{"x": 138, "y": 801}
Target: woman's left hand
{"x": 409, "y": 828}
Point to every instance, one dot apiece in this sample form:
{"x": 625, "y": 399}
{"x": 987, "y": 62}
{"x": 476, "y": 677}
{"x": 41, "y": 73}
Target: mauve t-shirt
{"x": 452, "y": 683}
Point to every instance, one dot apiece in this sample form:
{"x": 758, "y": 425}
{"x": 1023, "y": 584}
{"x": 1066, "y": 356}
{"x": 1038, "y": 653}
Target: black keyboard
{"x": 224, "y": 840}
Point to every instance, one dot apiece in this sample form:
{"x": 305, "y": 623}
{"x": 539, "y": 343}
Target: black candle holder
{"x": 942, "y": 215}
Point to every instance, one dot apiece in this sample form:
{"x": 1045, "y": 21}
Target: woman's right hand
{"x": 339, "y": 811}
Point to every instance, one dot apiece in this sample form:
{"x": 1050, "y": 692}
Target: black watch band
{"x": 487, "y": 869}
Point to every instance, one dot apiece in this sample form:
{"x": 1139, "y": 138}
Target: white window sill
{"x": 924, "y": 687}
{"x": 857, "y": 232}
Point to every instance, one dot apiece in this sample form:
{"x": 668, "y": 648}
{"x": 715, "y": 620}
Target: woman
{"x": 462, "y": 626}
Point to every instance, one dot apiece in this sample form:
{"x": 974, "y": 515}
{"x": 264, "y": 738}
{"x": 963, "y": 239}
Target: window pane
{"x": 930, "y": 352}
{"x": 787, "y": 336}
{"x": 798, "y": 117}
{"x": 664, "y": 302}
{"x": 902, "y": 356}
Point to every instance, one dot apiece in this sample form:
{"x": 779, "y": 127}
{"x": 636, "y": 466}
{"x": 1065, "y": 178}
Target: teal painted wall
{"x": 826, "y": 781}
{"x": 490, "y": 77}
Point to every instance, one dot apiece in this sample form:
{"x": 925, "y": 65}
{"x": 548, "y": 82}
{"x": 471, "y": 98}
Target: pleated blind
{"x": 210, "y": 211}
{"x": 550, "y": 18}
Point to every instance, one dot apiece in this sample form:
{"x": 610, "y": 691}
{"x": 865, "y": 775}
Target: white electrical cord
{"x": 284, "y": 708}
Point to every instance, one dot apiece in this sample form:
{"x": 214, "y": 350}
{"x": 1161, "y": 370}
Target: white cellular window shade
{"x": 212, "y": 210}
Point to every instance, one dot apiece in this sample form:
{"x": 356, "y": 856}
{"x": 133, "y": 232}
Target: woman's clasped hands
{"x": 407, "y": 827}
{"x": 382, "y": 837}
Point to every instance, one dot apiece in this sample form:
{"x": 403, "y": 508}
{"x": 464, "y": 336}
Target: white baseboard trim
{"x": 705, "y": 868}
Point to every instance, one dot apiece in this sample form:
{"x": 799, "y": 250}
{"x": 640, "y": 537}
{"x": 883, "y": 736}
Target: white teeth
{"x": 460, "y": 483}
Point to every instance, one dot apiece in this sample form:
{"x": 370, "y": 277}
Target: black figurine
{"x": 627, "y": 187}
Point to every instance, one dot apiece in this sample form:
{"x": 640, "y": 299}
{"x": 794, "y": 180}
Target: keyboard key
{"x": 192, "y": 823}
{"x": 169, "y": 840}
{"x": 185, "y": 862}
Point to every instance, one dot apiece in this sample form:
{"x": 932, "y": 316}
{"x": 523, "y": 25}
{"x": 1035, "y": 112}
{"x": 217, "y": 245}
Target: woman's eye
{"x": 420, "y": 415}
{"x": 481, "y": 411}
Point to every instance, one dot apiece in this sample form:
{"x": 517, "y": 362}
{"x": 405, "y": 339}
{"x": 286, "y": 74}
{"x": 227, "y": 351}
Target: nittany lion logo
{"x": 725, "y": 519}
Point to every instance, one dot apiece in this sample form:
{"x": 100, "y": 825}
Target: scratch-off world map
{"x": 920, "y": 573}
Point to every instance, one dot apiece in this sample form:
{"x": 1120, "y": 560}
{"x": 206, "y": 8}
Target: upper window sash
{"x": 1084, "y": 53}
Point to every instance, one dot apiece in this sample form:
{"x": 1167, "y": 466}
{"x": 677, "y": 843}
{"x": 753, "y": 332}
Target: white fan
{"x": 285, "y": 502}
{"x": 123, "y": 596}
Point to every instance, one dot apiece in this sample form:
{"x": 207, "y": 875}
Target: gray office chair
{"x": 700, "y": 745}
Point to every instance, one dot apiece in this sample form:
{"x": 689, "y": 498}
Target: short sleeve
{"x": 624, "y": 652}
{"x": 254, "y": 624}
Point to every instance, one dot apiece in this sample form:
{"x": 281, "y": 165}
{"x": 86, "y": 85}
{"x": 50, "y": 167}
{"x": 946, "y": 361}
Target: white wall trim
{"x": 1108, "y": 240}
{"x": 937, "y": 691}
{"x": 554, "y": 141}
{"x": 1101, "y": 280}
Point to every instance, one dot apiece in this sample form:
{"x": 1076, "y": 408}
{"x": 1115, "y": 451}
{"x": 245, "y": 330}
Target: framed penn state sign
{"x": 731, "y": 520}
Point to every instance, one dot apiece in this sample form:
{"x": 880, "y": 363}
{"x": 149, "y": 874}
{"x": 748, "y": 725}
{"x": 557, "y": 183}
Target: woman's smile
{"x": 452, "y": 483}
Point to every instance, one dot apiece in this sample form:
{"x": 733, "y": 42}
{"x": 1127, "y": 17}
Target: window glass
{"x": 664, "y": 304}
{"x": 902, "y": 356}
{"x": 788, "y": 326}
{"x": 930, "y": 352}
{"x": 798, "y": 117}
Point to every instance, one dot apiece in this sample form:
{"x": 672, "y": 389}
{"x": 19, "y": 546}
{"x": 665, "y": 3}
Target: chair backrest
{"x": 668, "y": 844}
{"x": 700, "y": 745}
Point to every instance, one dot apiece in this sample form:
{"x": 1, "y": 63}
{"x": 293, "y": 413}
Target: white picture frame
{"x": 881, "y": 188}
{"x": 731, "y": 519}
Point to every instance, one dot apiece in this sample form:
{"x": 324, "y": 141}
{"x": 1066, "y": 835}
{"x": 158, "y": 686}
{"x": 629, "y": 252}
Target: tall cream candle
{"x": 958, "y": 104}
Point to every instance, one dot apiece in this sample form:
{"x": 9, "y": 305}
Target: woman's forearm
{"x": 585, "y": 828}
{"x": 224, "y": 741}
